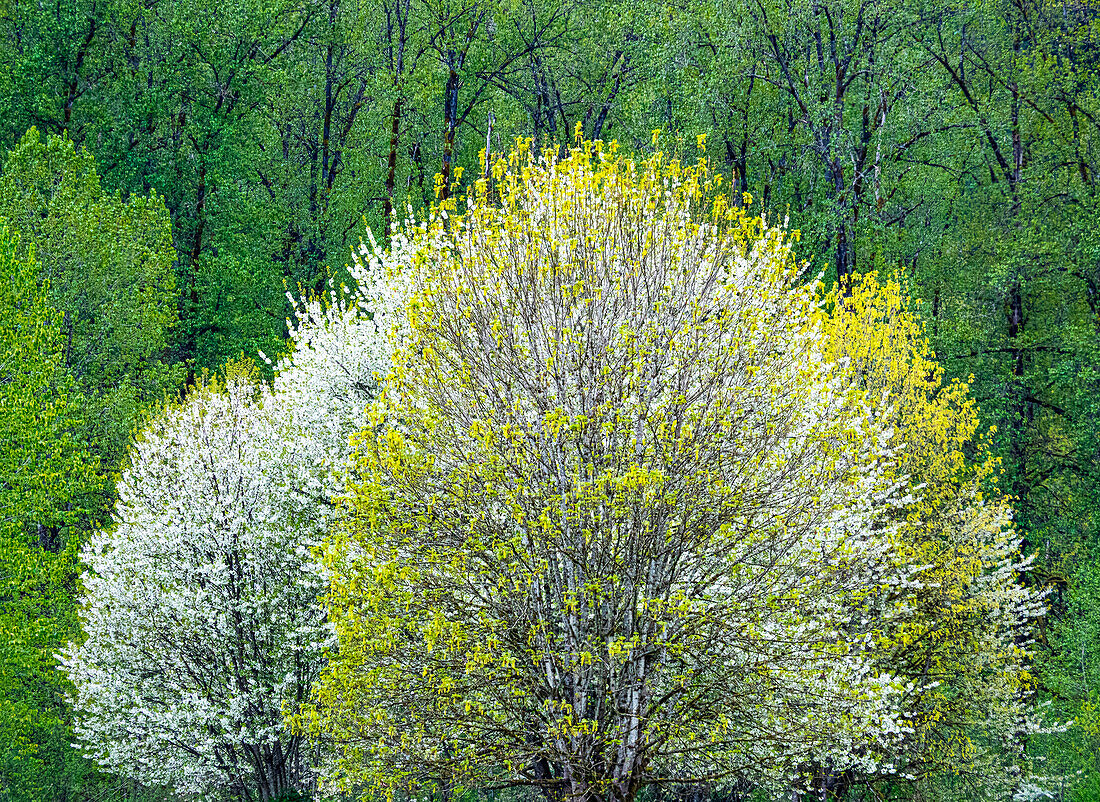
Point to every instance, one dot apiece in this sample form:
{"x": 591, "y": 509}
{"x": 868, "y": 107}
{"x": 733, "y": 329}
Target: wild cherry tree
{"x": 199, "y": 613}
{"x": 618, "y": 518}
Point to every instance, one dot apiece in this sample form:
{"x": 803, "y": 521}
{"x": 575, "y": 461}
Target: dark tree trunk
{"x": 391, "y": 167}
{"x": 450, "y": 123}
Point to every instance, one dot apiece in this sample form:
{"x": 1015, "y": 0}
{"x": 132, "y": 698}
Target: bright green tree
{"x": 108, "y": 265}
{"x": 48, "y": 491}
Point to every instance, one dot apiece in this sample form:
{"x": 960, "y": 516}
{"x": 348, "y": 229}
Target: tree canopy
{"x": 632, "y": 509}
{"x": 945, "y": 152}
{"x": 49, "y": 489}
{"x": 108, "y": 265}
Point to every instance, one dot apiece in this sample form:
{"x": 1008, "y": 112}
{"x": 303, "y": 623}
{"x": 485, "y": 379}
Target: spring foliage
{"x": 107, "y": 262}
{"x": 963, "y": 640}
{"x": 48, "y": 488}
{"x": 635, "y": 503}
{"x": 632, "y": 507}
{"x": 199, "y": 615}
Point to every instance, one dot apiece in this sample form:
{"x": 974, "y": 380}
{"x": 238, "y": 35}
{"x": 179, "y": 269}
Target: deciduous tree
{"x": 964, "y": 643}
{"x": 199, "y": 614}
{"x": 618, "y": 517}
{"x": 108, "y": 265}
{"x": 48, "y": 492}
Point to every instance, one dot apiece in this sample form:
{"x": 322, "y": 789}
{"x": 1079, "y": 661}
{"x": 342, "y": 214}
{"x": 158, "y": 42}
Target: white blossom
{"x": 201, "y": 627}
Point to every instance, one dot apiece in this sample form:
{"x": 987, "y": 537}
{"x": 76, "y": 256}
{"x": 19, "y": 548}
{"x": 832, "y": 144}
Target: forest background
{"x": 192, "y": 162}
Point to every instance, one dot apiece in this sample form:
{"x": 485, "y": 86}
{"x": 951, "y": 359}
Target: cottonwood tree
{"x": 823, "y": 117}
{"x": 199, "y": 614}
{"x": 583, "y": 62}
{"x": 195, "y": 130}
{"x": 618, "y": 518}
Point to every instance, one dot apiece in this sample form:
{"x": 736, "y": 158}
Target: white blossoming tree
{"x": 199, "y": 613}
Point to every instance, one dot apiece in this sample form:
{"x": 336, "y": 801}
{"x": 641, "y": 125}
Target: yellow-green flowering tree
{"x": 963, "y": 641}
{"x": 626, "y": 511}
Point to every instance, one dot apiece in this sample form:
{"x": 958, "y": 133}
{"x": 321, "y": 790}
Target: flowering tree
{"x": 619, "y": 518}
{"x": 199, "y": 614}
{"x": 962, "y": 639}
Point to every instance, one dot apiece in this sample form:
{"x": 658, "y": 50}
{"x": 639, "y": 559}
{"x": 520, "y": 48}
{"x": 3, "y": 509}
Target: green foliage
{"x": 956, "y": 140}
{"x": 49, "y": 489}
{"x": 46, "y": 472}
{"x": 37, "y": 616}
{"x": 1072, "y": 674}
{"x": 108, "y": 265}
{"x": 56, "y": 57}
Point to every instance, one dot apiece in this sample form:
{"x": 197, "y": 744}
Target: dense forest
{"x": 177, "y": 174}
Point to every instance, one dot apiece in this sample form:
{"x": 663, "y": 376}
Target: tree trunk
{"x": 450, "y": 122}
{"x": 391, "y": 166}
